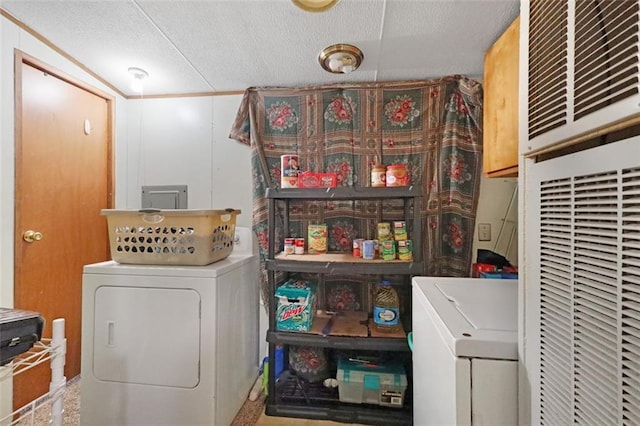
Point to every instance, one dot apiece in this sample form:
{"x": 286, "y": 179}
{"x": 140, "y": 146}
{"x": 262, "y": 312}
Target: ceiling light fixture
{"x": 138, "y": 75}
{"x": 315, "y": 5}
{"x": 340, "y": 58}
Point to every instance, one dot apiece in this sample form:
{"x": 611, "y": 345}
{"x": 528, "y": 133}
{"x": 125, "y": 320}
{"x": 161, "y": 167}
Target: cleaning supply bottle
{"x": 386, "y": 308}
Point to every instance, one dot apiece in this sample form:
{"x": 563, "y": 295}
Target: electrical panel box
{"x": 164, "y": 197}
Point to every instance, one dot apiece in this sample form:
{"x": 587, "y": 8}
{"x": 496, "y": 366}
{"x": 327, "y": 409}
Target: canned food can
{"x": 388, "y": 250}
{"x": 405, "y": 250}
{"x": 357, "y": 247}
{"x": 289, "y": 169}
{"x": 384, "y": 231}
{"x": 368, "y": 249}
{"x": 299, "y": 246}
{"x": 289, "y": 245}
{"x": 400, "y": 230}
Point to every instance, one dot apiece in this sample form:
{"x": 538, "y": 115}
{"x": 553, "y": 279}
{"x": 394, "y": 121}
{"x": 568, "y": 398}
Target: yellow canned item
{"x": 384, "y": 231}
{"x": 400, "y": 230}
{"x": 405, "y": 250}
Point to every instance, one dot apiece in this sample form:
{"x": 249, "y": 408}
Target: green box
{"x": 296, "y": 305}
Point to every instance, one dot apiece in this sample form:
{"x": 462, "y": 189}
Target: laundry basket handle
{"x": 151, "y": 215}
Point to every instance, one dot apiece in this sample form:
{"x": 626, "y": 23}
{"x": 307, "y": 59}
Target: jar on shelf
{"x": 378, "y": 175}
{"x": 397, "y": 175}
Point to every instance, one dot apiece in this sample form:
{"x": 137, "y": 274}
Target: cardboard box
{"x": 296, "y": 305}
{"x": 478, "y": 268}
{"x": 317, "y": 180}
{"x": 317, "y": 241}
{"x": 366, "y": 383}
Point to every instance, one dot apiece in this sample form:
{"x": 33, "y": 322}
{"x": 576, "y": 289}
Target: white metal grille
{"x": 606, "y": 53}
{"x": 547, "y": 65}
{"x": 595, "y": 298}
{"x": 590, "y": 299}
{"x": 555, "y": 283}
{"x": 630, "y": 277}
{"x": 584, "y": 67}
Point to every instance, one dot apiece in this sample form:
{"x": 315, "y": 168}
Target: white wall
{"x": 497, "y": 208}
{"x": 184, "y": 141}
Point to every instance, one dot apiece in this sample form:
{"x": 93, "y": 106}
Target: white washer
{"x": 465, "y": 351}
{"x": 170, "y": 345}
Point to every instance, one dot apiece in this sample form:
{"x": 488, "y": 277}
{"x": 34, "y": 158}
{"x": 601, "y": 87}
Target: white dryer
{"x": 170, "y": 345}
{"x": 465, "y": 351}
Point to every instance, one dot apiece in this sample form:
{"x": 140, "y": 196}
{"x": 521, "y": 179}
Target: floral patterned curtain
{"x": 433, "y": 127}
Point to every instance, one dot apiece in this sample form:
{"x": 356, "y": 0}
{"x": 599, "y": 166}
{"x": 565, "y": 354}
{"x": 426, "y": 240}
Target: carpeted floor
{"x": 250, "y": 412}
{"x": 247, "y": 416}
{"x": 40, "y": 416}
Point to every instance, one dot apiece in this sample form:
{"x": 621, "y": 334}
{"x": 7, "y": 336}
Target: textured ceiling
{"x": 228, "y": 45}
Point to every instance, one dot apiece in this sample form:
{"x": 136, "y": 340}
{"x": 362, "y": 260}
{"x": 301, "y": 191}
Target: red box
{"x": 488, "y": 270}
{"x": 477, "y": 268}
{"x": 317, "y": 180}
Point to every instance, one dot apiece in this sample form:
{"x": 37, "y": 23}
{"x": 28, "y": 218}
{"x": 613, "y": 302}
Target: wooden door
{"x": 63, "y": 179}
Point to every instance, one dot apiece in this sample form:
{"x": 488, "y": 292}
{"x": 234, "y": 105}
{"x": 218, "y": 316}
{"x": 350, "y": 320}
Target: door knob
{"x": 31, "y": 236}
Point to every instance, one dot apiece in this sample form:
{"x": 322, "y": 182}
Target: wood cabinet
{"x": 500, "y": 120}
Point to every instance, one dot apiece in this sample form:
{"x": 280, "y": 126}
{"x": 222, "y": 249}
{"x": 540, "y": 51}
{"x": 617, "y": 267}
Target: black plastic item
{"x": 492, "y": 258}
{"x": 301, "y": 399}
{"x": 300, "y": 390}
{"x": 19, "y": 331}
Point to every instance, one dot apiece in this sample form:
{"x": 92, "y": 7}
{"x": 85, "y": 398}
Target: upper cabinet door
{"x": 500, "y": 120}
{"x": 580, "y": 72}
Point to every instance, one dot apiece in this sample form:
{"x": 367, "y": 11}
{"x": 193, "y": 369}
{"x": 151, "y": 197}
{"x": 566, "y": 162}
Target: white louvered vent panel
{"x": 606, "y": 53}
{"x": 583, "y": 69}
{"x": 631, "y": 296}
{"x": 555, "y": 294}
{"x": 548, "y": 65}
{"x": 586, "y": 261}
{"x": 595, "y": 297}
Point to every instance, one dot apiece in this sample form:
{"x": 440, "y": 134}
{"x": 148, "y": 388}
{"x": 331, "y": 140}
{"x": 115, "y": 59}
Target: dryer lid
{"x": 476, "y": 317}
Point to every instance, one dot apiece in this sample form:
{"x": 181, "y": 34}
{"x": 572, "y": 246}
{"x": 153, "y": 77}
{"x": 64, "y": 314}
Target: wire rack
{"x": 51, "y": 350}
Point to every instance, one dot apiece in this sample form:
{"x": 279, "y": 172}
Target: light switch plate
{"x": 484, "y": 232}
